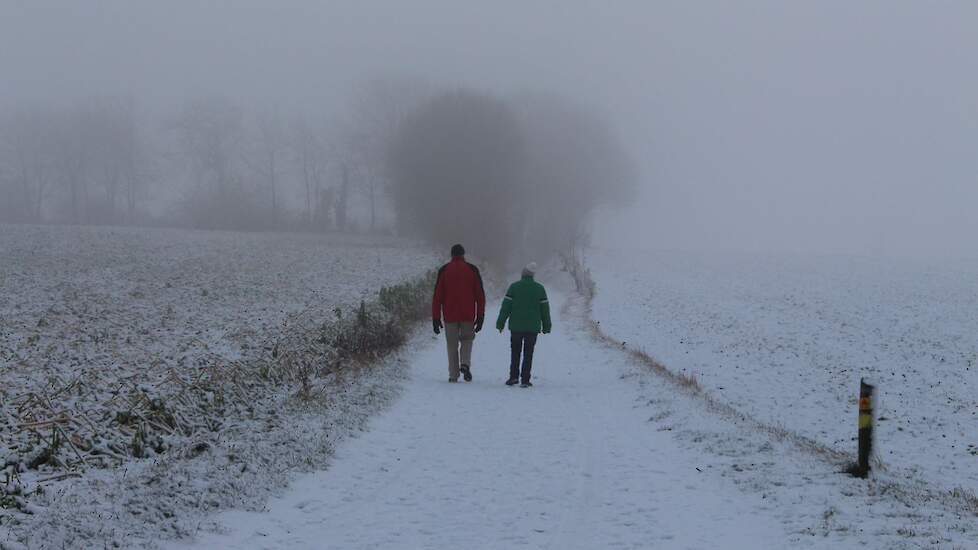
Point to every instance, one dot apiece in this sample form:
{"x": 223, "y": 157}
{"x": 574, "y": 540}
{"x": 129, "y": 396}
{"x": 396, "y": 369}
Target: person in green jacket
{"x": 528, "y": 311}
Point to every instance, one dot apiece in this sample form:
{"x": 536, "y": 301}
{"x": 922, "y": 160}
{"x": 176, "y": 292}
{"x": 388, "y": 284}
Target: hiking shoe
{"x": 526, "y": 384}
{"x": 466, "y": 373}
{"x": 512, "y": 382}
{"x": 453, "y": 380}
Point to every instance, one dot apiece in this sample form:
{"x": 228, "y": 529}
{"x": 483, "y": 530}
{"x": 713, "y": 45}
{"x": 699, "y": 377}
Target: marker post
{"x": 866, "y": 419}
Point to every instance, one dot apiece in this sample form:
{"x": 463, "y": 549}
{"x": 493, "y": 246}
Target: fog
{"x": 829, "y": 127}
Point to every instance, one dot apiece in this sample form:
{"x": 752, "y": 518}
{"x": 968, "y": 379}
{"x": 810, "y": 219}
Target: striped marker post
{"x": 866, "y": 393}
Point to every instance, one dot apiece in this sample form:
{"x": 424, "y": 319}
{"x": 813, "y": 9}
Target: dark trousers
{"x": 521, "y": 342}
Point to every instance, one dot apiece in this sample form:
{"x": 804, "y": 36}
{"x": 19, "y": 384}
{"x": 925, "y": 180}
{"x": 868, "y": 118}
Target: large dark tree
{"x": 457, "y": 165}
{"x": 514, "y": 180}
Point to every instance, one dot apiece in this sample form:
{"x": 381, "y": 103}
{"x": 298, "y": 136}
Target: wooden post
{"x": 866, "y": 392}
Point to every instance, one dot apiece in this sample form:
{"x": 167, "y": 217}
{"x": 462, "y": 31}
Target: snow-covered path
{"x": 569, "y": 463}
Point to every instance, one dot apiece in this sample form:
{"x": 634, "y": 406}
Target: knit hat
{"x": 530, "y": 270}
{"x": 458, "y": 250}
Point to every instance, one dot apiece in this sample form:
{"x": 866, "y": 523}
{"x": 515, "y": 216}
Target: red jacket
{"x": 459, "y": 293}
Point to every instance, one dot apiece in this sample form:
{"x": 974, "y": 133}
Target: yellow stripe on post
{"x": 865, "y": 421}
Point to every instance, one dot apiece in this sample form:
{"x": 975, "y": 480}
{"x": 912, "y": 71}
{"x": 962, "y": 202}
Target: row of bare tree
{"x": 210, "y": 164}
{"x": 514, "y": 178}
{"x": 86, "y": 157}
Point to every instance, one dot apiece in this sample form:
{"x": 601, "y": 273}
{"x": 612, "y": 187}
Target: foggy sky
{"x": 825, "y": 127}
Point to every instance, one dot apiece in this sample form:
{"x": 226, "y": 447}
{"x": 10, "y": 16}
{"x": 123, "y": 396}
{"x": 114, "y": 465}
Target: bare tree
{"x": 28, "y": 164}
{"x": 341, "y": 202}
{"x": 211, "y": 136}
{"x": 114, "y": 149}
{"x": 377, "y": 109}
{"x": 342, "y": 152}
{"x": 211, "y": 132}
{"x": 126, "y": 155}
{"x": 307, "y": 152}
{"x": 271, "y": 147}
{"x": 72, "y": 159}
{"x": 135, "y": 160}
{"x": 312, "y": 157}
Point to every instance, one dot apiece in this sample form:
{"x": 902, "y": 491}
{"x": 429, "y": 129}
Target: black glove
{"x": 478, "y": 323}
{"x": 436, "y": 325}
{"x": 546, "y": 331}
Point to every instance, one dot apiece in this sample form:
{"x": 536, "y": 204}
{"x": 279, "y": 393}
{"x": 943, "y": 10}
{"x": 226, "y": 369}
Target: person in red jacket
{"x": 461, "y": 298}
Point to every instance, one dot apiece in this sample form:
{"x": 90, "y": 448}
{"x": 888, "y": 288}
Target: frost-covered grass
{"x": 148, "y": 375}
{"x": 786, "y": 341}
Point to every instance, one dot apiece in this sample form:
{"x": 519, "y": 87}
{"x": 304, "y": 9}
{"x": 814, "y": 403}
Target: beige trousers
{"x": 459, "y": 337}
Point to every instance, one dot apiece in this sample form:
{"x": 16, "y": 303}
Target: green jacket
{"x": 526, "y": 307}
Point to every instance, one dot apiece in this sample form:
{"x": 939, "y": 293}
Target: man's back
{"x": 459, "y": 292}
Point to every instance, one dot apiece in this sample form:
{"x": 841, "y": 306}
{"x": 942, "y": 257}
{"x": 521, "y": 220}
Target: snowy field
{"x": 601, "y": 453}
{"x": 98, "y": 325}
{"x": 786, "y": 340}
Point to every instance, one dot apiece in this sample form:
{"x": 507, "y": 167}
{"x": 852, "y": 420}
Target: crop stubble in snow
{"x": 93, "y": 318}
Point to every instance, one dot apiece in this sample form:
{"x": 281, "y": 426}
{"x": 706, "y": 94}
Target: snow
{"x": 786, "y": 340}
{"x": 568, "y": 463}
{"x": 602, "y": 452}
{"x": 775, "y": 335}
